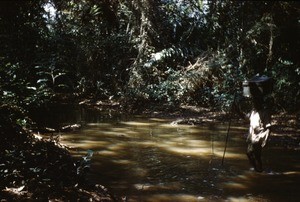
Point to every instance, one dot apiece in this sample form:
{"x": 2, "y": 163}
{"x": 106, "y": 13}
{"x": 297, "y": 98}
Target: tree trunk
{"x": 143, "y": 8}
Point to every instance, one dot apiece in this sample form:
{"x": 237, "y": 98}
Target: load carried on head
{"x": 257, "y": 86}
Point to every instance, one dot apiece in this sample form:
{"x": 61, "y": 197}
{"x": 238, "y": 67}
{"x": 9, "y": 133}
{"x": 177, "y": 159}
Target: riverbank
{"x": 41, "y": 169}
{"x": 285, "y": 125}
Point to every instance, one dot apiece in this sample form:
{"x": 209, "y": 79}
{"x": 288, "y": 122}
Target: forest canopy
{"x": 147, "y": 51}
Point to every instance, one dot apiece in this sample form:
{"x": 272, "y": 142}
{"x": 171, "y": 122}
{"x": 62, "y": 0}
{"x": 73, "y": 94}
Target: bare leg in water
{"x": 254, "y": 156}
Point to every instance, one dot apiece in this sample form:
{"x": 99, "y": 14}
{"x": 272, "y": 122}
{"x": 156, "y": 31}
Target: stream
{"x": 141, "y": 158}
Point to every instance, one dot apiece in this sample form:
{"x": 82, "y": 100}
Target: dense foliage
{"x": 167, "y": 51}
{"x": 140, "y": 53}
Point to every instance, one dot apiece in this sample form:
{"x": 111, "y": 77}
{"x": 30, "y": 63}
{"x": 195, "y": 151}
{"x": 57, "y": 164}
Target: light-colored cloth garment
{"x": 259, "y": 127}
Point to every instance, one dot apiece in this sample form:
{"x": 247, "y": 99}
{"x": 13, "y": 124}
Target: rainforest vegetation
{"x": 138, "y": 54}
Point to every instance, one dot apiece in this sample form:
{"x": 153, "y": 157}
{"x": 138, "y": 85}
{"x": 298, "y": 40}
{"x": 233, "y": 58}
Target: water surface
{"x": 149, "y": 159}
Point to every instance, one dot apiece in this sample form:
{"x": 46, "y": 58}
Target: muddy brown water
{"x": 150, "y": 159}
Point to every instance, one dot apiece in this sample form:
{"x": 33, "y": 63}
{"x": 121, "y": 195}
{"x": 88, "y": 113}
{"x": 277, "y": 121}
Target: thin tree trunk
{"x": 136, "y": 80}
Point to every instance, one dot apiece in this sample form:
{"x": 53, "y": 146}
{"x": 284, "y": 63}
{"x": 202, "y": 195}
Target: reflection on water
{"x": 148, "y": 159}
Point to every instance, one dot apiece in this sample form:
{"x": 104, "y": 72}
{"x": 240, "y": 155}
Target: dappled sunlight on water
{"x": 149, "y": 159}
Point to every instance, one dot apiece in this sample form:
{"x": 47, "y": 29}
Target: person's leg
{"x": 251, "y": 156}
{"x": 257, "y": 156}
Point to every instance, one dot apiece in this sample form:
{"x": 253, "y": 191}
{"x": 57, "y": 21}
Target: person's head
{"x": 257, "y": 97}
{"x": 258, "y": 102}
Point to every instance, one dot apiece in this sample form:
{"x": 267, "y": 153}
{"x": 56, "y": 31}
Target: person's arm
{"x": 267, "y": 120}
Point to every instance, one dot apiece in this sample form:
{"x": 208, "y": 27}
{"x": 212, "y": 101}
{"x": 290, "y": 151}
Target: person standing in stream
{"x": 259, "y": 130}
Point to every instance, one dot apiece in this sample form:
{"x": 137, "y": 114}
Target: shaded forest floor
{"x": 32, "y": 167}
